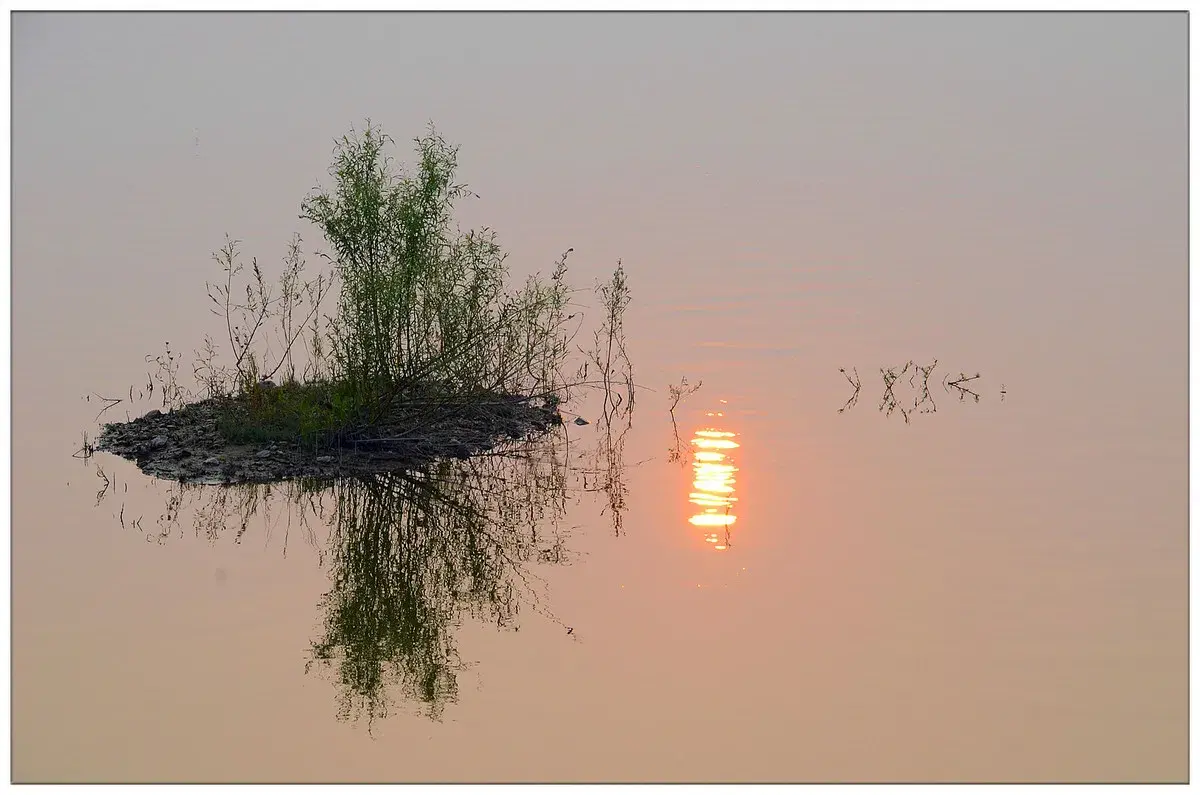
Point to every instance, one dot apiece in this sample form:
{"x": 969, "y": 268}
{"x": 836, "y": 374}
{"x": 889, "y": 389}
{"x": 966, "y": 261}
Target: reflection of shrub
{"x": 411, "y": 555}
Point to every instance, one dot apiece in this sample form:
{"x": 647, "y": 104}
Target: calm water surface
{"x": 995, "y": 590}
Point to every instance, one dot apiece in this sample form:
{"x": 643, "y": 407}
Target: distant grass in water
{"x": 425, "y": 315}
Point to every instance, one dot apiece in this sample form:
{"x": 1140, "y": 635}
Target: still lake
{"x": 992, "y": 591}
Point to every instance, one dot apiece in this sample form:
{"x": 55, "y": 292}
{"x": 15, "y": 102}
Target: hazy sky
{"x": 929, "y": 144}
{"x": 997, "y": 590}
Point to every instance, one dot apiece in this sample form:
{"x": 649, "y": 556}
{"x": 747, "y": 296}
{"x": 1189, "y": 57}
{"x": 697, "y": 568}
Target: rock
{"x": 211, "y": 461}
{"x": 149, "y": 415}
{"x": 158, "y": 443}
{"x": 325, "y": 459}
{"x": 581, "y": 421}
{"x": 263, "y": 454}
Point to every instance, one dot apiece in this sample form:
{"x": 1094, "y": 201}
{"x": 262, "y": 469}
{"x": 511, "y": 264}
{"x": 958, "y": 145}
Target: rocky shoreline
{"x": 186, "y": 444}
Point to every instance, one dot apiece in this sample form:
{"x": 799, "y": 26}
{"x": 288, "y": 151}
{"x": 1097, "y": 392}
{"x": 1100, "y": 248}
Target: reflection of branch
{"x": 612, "y": 360}
{"x": 103, "y": 489}
{"x": 856, "y": 383}
{"x": 889, "y": 404}
{"x": 610, "y": 464}
{"x": 924, "y": 398}
{"x": 918, "y": 379}
{"x": 108, "y": 403}
{"x": 86, "y": 451}
{"x": 960, "y": 384}
{"x": 677, "y": 394}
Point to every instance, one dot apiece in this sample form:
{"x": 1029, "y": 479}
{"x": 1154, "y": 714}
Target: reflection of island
{"x": 714, "y": 483}
{"x": 412, "y": 554}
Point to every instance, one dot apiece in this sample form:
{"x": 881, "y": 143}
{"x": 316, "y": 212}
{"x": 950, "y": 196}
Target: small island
{"x": 430, "y": 353}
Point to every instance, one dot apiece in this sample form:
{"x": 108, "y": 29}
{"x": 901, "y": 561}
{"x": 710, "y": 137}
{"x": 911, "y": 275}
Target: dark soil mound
{"x": 188, "y": 445}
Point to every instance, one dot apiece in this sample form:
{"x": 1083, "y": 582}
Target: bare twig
{"x": 103, "y": 489}
{"x": 854, "y": 382}
{"x": 108, "y": 403}
{"x": 961, "y": 384}
{"x": 678, "y": 393}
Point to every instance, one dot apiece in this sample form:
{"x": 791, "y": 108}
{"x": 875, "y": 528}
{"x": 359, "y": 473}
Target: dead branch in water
{"x": 922, "y": 401}
{"x": 678, "y": 393}
{"x": 960, "y": 384}
{"x": 856, "y": 383}
{"x": 107, "y": 401}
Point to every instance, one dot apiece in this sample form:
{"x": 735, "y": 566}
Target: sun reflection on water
{"x": 714, "y": 481}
